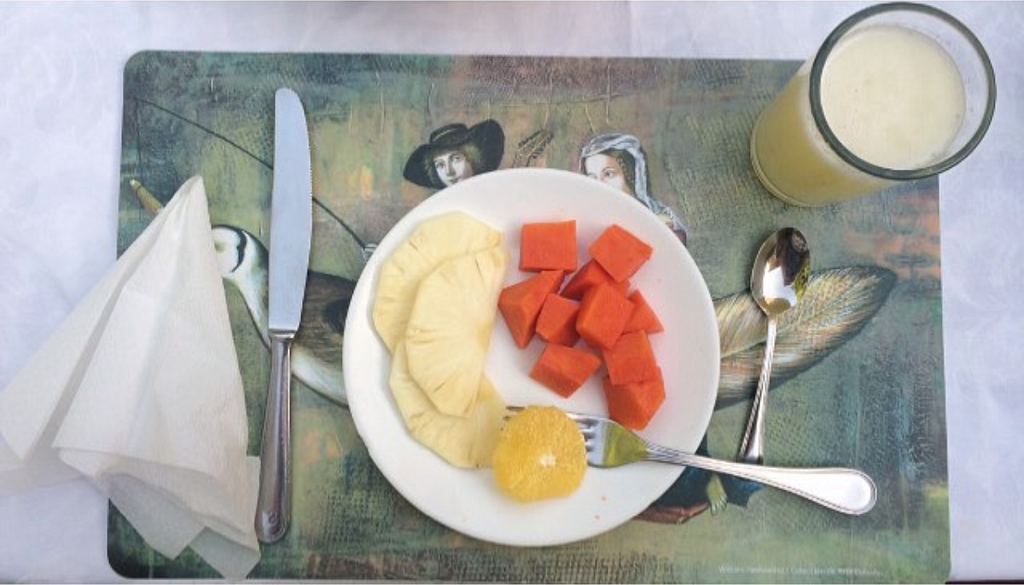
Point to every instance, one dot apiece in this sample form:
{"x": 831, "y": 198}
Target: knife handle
{"x": 273, "y": 508}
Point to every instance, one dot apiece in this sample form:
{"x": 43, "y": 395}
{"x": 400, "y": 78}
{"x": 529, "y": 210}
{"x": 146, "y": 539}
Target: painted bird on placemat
{"x": 316, "y": 352}
{"x": 697, "y": 491}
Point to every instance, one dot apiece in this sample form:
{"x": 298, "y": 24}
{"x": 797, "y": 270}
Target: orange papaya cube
{"x": 643, "y": 318}
{"x": 631, "y": 359}
{"x": 622, "y": 287}
{"x": 564, "y": 369}
{"x": 548, "y": 246}
{"x": 634, "y": 405}
{"x": 604, "y": 312}
{"x": 557, "y": 320}
{"x": 520, "y": 303}
{"x": 620, "y": 252}
{"x": 590, "y": 274}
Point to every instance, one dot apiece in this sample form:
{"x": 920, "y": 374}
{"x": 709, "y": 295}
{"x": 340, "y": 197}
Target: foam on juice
{"x": 893, "y": 96}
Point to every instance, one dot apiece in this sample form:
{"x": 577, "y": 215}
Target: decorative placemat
{"x": 858, "y": 380}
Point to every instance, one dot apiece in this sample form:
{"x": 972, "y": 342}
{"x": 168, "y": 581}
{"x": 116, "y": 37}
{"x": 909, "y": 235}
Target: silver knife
{"x": 291, "y": 227}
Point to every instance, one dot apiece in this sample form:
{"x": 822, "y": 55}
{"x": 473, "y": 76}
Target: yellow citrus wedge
{"x": 540, "y": 455}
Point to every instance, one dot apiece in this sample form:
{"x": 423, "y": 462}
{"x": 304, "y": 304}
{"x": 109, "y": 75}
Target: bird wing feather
{"x": 837, "y": 304}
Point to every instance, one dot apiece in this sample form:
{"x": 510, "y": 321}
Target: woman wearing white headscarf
{"x": 619, "y": 161}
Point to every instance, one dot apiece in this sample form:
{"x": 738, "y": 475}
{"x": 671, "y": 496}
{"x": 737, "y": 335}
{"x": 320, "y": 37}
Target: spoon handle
{"x": 752, "y": 447}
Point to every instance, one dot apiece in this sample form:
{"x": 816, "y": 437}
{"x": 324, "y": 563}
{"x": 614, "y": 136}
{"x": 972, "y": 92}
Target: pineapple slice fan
{"x": 467, "y": 441}
{"x": 450, "y": 328}
{"x": 435, "y": 240}
{"x": 435, "y": 310}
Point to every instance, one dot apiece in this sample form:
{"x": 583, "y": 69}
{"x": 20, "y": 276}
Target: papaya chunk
{"x": 564, "y": 369}
{"x": 603, "y": 314}
{"x": 620, "y": 252}
{"x": 631, "y": 359}
{"x": 635, "y": 404}
{"x": 643, "y": 318}
{"x": 557, "y": 320}
{"x": 520, "y": 303}
{"x": 548, "y": 246}
{"x": 586, "y": 277}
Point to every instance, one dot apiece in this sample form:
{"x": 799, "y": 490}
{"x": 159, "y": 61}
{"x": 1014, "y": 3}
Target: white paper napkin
{"x": 139, "y": 390}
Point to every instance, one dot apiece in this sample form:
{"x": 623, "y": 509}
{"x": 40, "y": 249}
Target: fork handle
{"x": 845, "y": 490}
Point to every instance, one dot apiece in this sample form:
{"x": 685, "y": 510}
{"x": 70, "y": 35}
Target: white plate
{"x": 688, "y": 352}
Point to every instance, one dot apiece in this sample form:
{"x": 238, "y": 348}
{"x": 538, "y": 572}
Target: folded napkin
{"x": 139, "y": 391}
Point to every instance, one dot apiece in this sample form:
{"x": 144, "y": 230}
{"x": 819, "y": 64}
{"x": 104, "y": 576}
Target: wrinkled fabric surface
{"x": 59, "y": 152}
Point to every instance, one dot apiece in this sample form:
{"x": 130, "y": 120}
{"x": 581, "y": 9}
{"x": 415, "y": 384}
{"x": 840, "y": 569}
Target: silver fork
{"x": 610, "y": 444}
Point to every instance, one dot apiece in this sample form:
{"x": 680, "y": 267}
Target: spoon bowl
{"x": 778, "y": 280}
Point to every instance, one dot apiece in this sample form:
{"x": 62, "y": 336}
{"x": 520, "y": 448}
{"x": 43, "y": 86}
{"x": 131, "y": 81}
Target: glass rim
{"x": 818, "y": 113}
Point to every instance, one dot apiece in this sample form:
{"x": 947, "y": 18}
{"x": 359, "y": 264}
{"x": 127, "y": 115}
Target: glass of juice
{"x": 897, "y": 92}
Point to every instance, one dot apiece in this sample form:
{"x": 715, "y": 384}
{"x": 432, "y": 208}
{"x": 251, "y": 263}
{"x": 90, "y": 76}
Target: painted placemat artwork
{"x": 858, "y": 376}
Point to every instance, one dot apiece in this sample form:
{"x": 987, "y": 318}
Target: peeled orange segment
{"x": 450, "y": 328}
{"x": 540, "y": 455}
{"x": 466, "y": 441}
{"x": 434, "y": 241}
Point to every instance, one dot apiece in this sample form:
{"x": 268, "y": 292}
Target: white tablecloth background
{"x": 61, "y": 70}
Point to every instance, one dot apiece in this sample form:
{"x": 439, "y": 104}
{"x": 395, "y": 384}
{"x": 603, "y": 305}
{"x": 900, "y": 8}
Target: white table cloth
{"x": 61, "y": 70}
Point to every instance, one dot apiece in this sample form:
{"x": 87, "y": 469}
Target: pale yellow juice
{"x": 893, "y": 96}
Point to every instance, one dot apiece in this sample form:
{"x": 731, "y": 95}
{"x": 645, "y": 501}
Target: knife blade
{"x": 291, "y": 227}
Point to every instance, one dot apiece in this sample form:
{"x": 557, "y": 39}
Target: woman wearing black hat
{"x": 455, "y": 153}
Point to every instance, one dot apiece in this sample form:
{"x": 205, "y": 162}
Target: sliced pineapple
{"x": 466, "y": 441}
{"x": 434, "y": 241}
{"x": 450, "y": 327}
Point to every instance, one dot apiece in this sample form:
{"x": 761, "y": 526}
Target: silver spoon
{"x": 777, "y": 283}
